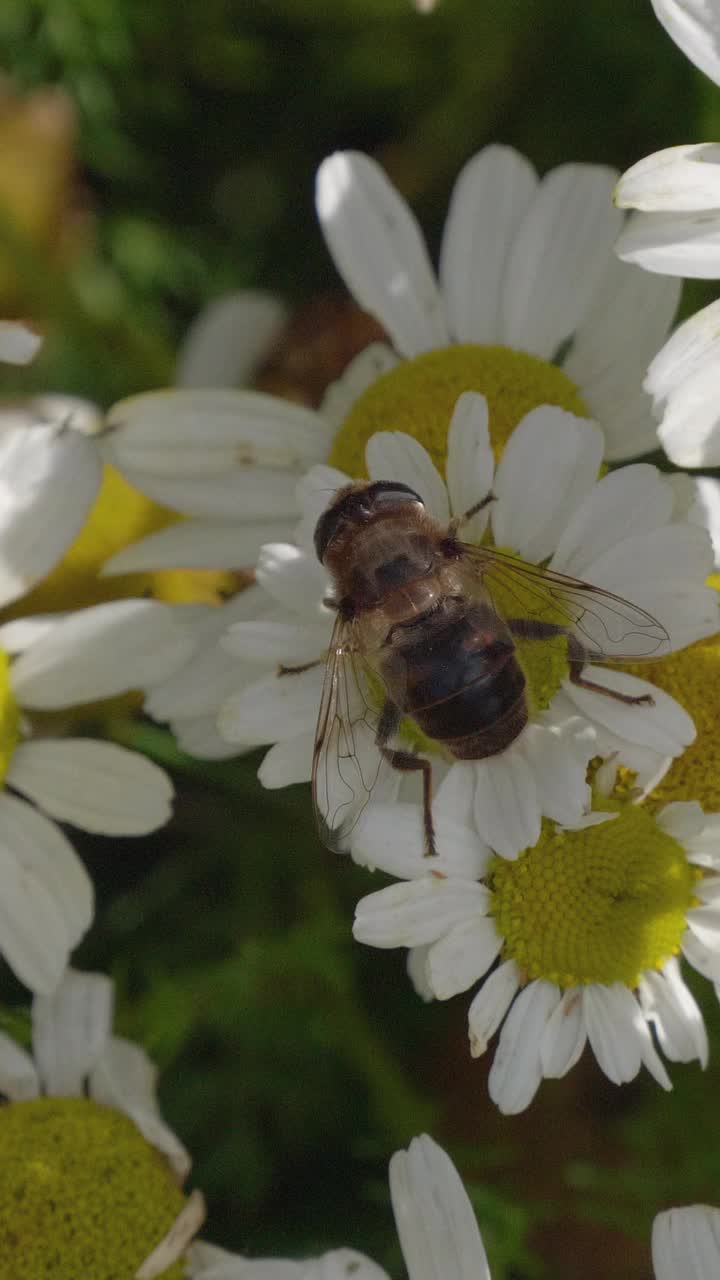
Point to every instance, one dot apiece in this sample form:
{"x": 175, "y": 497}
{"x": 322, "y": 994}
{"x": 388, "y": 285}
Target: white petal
{"x": 470, "y": 463}
{"x": 18, "y": 343}
{"x": 100, "y": 652}
{"x": 705, "y": 509}
{"x": 124, "y": 1077}
{"x": 416, "y": 965}
{"x": 675, "y": 180}
{"x": 665, "y": 727}
{"x": 292, "y": 643}
{"x": 176, "y": 1240}
{"x": 421, "y": 911}
{"x": 47, "y": 898}
{"x": 393, "y": 455}
{"x": 670, "y": 1007}
{"x": 703, "y": 847}
{"x": 664, "y": 572}
{"x": 273, "y": 709}
{"x": 706, "y": 959}
{"x": 339, "y": 1264}
{"x": 507, "y": 808}
{"x": 49, "y": 477}
{"x": 455, "y": 796}
{"x": 694, "y": 345}
{"x": 491, "y": 1004}
{"x": 675, "y": 244}
{"x": 174, "y": 434}
{"x": 379, "y": 251}
{"x": 287, "y": 763}
{"x": 198, "y": 544}
{"x": 438, "y": 1232}
{"x": 229, "y": 339}
{"x": 18, "y": 1077}
{"x": 294, "y": 579}
{"x": 624, "y": 327}
{"x": 558, "y": 756}
{"x": 463, "y": 956}
{"x": 371, "y": 364}
{"x": 705, "y": 924}
{"x": 70, "y": 1030}
{"x": 488, "y": 203}
{"x": 694, "y": 25}
{"x": 683, "y": 820}
{"x": 550, "y": 464}
{"x": 250, "y": 493}
{"x": 627, "y": 502}
{"x": 558, "y": 257}
{"x": 689, "y": 430}
{"x": 618, "y": 1034}
{"x": 516, "y": 1071}
{"x": 391, "y": 838}
{"x": 564, "y": 1036}
{"x": 686, "y": 1242}
{"x": 199, "y": 737}
{"x": 97, "y": 786}
{"x": 208, "y": 1262}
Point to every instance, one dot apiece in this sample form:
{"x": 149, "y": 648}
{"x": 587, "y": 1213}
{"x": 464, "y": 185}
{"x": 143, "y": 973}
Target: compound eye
{"x": 391, "y": 493}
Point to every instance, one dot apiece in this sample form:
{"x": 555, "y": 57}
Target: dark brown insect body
{"x": 418, "y": 635}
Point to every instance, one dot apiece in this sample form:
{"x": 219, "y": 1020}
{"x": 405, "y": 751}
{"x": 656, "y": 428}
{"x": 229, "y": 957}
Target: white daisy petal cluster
{"x": 81, "y": 1133}
{"x": 468, "y": 916}
{"x": 50, "y": 664}
{"x": 675, "y": 231}
{"x": 621, "y": 532}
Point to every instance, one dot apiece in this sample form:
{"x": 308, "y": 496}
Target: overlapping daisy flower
{"x": 77, "y": 485}
{"x": 576, "y": 941}
{"x": 676, "y": 231}
{"x": 52, "y": 663}
{"x": 531, "y": 308}
{"x": 621, "y": 532}
{"x": 91, "y": 1175}
{"x": 440, "y": 1238}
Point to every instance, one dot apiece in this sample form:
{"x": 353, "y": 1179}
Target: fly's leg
{"x": 577, "y": 659}
{"x": 407, "y": 762}
{"x": 458, "y": 521}
{"x": 306, "y": 666}
{"x": 534, "y": 629}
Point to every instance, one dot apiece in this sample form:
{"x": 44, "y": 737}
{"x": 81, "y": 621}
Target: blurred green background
{"x": 177, "y": 163}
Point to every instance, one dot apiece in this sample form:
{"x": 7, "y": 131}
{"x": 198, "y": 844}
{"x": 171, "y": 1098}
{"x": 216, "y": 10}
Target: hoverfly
{"x": 418, "y": 635}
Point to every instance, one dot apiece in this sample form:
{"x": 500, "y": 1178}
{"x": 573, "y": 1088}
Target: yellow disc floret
{"x": 9, "y": 717}
{"x": 692, "y": 677}
{"x": 601, "y": 905}
{"x": 83, "y": 1196}
{"x": 418, "y": 397}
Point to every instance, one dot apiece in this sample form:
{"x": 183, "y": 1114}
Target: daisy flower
{"x": 530, "y": 308}
{"x": 47, "y": 664}
{"x": 79, "y": 486}
{"x": 91, "y": 1175}
{"x": 576, "y": 941}
{"x": 620, "y": 532}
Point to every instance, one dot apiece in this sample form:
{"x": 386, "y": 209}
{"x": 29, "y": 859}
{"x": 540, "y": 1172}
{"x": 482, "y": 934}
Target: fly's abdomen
{"x": 461, "y": 682}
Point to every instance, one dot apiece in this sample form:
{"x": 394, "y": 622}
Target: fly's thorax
{"x": 372, "y": 562}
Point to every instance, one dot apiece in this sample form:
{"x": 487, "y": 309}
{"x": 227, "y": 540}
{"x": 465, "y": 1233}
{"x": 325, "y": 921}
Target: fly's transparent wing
{"x": 347, "y": 762}
{"x": 609, "y": 628}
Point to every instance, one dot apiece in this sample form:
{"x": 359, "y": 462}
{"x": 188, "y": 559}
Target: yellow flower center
{"x": 119, "y": 516}
{"x": 601, "y": 905}
{"x": 82, "y": 1194}
{"x": 692, "y": 677}
{"x": 419, "y": 396}
{"x": 9, "y": 717}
